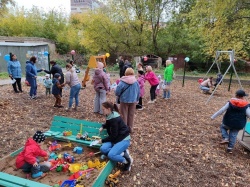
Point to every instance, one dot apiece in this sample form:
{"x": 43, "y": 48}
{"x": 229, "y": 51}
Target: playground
{"x": 175, "y": 143}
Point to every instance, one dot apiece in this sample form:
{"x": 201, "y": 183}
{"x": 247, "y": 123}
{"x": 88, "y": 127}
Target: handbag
{"x": 118, "y": 98}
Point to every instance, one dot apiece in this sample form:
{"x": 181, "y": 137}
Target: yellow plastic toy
{"x": 112, "y": 179}
{"x": 102, "y": 165}
{"x": 93, "y": 64}
{"x": 94, "y": 164}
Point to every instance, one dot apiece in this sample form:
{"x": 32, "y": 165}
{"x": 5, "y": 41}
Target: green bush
{"x": 61, "y": 62}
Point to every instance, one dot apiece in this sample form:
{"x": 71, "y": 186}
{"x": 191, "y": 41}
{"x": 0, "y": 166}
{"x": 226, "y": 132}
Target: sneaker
{"x": 229, "y": 151}
{"x": 140, "y": 109}
{"x": 225, "y": 141}
{"x": 68, "y": 109}
{"x": 154, "y": 100}
{"x": 127, "y": 167}
{"x": 55, "y": 105}
{"x": 166, "y": 98}
{"x": 151, "y": 102}
{"x": 60, "y": 106}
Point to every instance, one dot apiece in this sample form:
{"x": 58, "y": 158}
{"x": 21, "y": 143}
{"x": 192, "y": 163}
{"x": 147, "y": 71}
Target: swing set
{"x": 220, "y": 79}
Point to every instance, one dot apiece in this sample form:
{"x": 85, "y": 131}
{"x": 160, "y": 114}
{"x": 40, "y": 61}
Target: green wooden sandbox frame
{"x": 60, "y": 124}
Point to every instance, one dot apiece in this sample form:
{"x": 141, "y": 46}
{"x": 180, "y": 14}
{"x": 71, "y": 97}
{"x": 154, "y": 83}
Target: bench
{"x": 60, "y": 124}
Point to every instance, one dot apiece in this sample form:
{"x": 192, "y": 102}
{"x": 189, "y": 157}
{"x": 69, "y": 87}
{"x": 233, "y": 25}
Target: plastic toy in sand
{"x": 54, "y": 146}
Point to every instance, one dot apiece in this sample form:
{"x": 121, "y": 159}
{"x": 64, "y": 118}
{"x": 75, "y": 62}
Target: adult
{"x": 206, "y": 85}
{"x": 127, "y": 64}
{"x": 116, "y": 144}
{"x": 56, "y": 69}
{"x": 15, "y": 73}
{"x": 128, "y": 91}
{"x": 100, "y": 82}
{"x": 168, "y": 78}
{"x": 153, "y": 81}
{"x": 121, "y": 64}
{"x": 75, "y": 86}
{"x": 31, "y": 75}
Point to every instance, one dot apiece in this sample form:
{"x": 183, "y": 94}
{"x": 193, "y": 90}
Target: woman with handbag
{"x": 128, "y": 91}
{"x": 168, "y": 78}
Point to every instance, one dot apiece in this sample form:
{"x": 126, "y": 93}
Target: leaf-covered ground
{"x": 174, "y": 141}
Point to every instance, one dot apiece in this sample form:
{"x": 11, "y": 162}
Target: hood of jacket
{"x": 128, "y": 79}
{"x": 98, "y": 71}
{"x": 30, "y": 141}
{"x": 238, "y": 103}
{"x": 54, "y": 81}
{"x": 112, "y": 115}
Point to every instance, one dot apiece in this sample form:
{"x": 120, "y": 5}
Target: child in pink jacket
{"x": 153, "y": 81}
{"x": 141, "y": 82}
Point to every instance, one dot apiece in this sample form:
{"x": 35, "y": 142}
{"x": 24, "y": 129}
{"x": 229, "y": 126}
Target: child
{"x": 115, "y": 146}
{"x": 47, "y": 82}
{"x": 27, "y": 159}
{"x": 153, "y": 81}
{"x": 56, "y": 90}
{"x": 157, "y": 91}
{"x": 234, "y": 119}
{"x": 206, "y": 85}
{"x": 141, "y": 82}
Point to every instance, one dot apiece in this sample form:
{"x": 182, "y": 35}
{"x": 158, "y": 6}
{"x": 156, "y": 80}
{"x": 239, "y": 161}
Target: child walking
{"x": 141, "y": 82}
{"x": 234, "y": 119}
{"x": 56, "y": 90}
{"x": 27, "y": 160}
{"x": 153, "y": 81}
{"x": 116, "y": 144}
{"x": 47, "y": 82}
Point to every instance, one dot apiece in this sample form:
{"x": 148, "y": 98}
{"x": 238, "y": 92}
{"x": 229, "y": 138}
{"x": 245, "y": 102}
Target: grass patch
{"x": 4, "y": 75}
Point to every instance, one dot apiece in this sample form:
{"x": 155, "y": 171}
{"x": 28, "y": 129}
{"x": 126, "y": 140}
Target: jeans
{"x": 166, "y": 93}
{"x": 113, "y": 151}
{"x": 74, "y": 93}
{"x": 33, "y": 86}
{"x": 232, "y": 136}
{"x": 204, "y": 88}
{"x": 100, "y": 97}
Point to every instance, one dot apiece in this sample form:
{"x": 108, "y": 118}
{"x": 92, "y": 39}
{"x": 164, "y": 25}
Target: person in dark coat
{"x": 31, "y": 75}
{"x": 127, "y": 64}
{"x": 121, "y": 64}
{"x": 56, "y": 69}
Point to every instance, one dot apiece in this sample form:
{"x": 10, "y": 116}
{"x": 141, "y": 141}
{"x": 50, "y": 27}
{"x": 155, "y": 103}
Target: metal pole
{"x": 230, "y": 80}
{"x": 49, "y": 64}
{"x": 184, "y": 73}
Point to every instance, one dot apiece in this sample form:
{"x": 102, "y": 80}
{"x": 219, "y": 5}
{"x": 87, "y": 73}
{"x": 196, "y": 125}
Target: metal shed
{"x": 24, "y": 51}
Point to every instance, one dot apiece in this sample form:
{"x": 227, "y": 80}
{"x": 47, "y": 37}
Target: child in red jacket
{"x": 27, "y": 159}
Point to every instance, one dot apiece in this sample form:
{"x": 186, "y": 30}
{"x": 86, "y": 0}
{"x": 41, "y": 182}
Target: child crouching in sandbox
{"x": 27, "y": 160}
{"x": 116, "y": 144}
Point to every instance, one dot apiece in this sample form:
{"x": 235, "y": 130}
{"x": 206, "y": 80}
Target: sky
{"x": 45, "y": 4}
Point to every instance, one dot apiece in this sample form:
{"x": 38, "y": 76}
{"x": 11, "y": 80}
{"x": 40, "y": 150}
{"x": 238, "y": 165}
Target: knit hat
{"x": 39, "y": 137}
{"x": 47, "y": 75}
{"x": 57, "y": 75}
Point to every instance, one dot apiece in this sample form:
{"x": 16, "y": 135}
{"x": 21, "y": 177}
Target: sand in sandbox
{"x": 53, "y": 177}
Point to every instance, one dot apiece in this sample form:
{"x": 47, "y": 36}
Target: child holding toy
{"x": 47, "y": 82}
{"x": 27, "y": 159}
{"x": 115, "y": 146}
{"x": 237, "y": 110}
{"x": 56, "y": 90}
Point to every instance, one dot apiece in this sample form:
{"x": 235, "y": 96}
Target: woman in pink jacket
{"x": 153, "y": 81}
{"x": 141, "y": 82}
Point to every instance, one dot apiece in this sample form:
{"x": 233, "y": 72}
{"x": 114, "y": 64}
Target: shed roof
{"x": 18, "y": 44}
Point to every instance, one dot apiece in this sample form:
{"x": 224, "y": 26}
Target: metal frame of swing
{"x": 231, "y": 56}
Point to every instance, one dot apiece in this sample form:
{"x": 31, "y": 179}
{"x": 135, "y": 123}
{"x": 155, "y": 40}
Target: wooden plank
{"x": 14, "y": 181}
